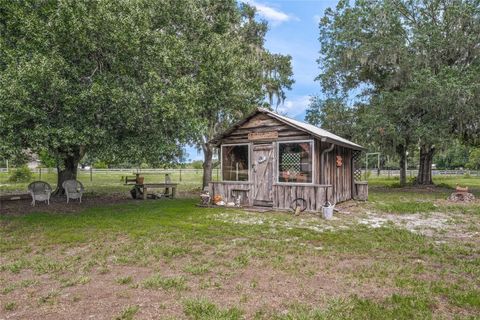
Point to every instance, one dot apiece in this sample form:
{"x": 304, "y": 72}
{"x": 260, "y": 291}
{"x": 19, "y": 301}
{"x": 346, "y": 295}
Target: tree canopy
{"x": 105, "y": 77}
{"x": 236, "y": 72}
{"x": 416, "y": 63}
{"x": 127, "y": 81}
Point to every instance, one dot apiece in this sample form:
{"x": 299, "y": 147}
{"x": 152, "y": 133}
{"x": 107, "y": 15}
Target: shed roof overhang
{"x": 316, "y": 132}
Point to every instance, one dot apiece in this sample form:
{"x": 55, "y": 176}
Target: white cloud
{"x": 274, "y": 16}
{"x": 316, "y": 19}
{"x": 295, "y": 107}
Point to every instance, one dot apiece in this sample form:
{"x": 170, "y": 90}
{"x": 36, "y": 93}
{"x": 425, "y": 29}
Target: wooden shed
{"x": 271, "y": 160}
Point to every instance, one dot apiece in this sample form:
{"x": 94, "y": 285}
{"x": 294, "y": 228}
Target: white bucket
{"x": 327, "y": 211}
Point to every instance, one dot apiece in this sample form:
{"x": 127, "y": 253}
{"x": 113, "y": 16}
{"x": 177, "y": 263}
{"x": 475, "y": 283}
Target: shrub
{"x": 100, "y": 165}
{"x": 197, "y": 164}
{"x": 22, "y": 174}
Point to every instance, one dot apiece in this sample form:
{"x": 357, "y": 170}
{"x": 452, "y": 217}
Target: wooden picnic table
{"x": 170, "y": 188}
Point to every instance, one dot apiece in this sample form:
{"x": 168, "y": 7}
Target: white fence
{"x": 176, "y": 174}
{"x": 131, "y": 171}
{"x": 117, "y": 170}
{"x": 413, "y": 173}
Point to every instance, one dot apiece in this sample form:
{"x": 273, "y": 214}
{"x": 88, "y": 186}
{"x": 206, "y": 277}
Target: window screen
{"x": 295, "y": 162}
{"x": 235, "y": 163}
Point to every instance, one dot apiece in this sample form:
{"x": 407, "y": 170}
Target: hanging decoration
{"x": 339, "y": 161}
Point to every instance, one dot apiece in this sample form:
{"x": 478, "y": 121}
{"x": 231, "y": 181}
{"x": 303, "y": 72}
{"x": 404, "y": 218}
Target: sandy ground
{"x": 257, "y": 286}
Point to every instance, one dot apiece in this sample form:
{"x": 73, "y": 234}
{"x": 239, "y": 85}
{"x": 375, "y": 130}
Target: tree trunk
{"x": 402, "y": 152}
{"x": 207, "y": 164}
{"x": 425, "y": 167}
{"x": 67, "y": 170}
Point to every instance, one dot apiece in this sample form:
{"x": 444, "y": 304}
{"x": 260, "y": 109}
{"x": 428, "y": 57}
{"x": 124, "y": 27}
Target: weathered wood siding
{"x": 329, "y": 180}
{"x": 230, "y": 190}
{"x": 264, "y": 123}
{"x": 340, "y": 177}
{"x": 315, "y": 195}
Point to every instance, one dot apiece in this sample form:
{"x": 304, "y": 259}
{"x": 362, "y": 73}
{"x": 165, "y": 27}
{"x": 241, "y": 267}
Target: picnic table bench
{"x": 140, "y": 189}
{"x": 170, "y": 189}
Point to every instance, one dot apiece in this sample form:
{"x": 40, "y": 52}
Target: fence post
{"x": 180, "y": 174}
{"x": 40, "y": 173}
{"x": 91, "y": 173}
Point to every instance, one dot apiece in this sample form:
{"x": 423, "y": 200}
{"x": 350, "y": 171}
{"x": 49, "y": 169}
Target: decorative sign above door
{"x": 268, "y": 135}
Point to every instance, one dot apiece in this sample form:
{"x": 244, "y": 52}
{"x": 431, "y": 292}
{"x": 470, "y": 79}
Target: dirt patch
{"x": 434, "y": 224}
{"x": 60, "y": 205}
{"x": 252, "y": 288}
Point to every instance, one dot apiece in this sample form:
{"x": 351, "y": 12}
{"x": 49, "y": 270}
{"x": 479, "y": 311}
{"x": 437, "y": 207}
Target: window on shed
{"x": 235, "y": 163}
{"x": 295, "y": 163}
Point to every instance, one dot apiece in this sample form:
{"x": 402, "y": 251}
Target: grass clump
{"x": 166, "y": 283}
{"x": 240, "y": 261}
{"x": 70, "y": 282}
{"x": 128, "y": 313}
{"x": 198, "y": 269}
{"x": 50, "y": 298}
{"x": 125, "y": 280}
{"x": 10, "y": 306}
{"x": 22, "y": 284}
{"x": 200, "y": 309}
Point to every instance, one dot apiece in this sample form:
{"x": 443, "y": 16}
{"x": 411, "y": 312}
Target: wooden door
{"x": 262, "y": 168}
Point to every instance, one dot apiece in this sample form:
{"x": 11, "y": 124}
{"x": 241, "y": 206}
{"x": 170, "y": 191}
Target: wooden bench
{"x": 170, "y": 189}
{"x": 14, "y": 197}
{"x": 132, "y": 180}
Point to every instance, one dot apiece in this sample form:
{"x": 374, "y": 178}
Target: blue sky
{"x": 293, "y": 30}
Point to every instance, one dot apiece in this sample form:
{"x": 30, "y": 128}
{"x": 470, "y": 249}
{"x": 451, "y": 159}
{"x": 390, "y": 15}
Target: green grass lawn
{"x": 170, "y": 259}
{"x": 105, "y": 183}
{"x": 473, "y": 182}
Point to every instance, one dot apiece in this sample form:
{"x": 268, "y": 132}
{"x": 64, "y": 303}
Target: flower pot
{"x": 140, "y": 180}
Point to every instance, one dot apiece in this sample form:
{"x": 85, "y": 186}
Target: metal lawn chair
{"x": 73, "y": 189}
{"x": 40, "y": 191}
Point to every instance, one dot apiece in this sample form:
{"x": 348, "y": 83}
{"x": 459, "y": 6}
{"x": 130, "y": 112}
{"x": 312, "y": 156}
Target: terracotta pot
{"x": 140, "y": 180}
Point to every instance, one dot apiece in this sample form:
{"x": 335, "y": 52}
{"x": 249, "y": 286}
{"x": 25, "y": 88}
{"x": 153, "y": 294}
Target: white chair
{"x": 73, "y": 189}
{"x": 40, "y": 191}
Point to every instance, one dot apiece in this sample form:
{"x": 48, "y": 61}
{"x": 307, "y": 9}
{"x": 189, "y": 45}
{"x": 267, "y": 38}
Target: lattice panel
{"x": 357, "y": 171}
{"x": 291, "y": 162}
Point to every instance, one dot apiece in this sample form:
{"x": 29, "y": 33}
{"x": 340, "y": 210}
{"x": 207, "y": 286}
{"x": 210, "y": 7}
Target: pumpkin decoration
{"x": 217, "y": 198}
{"x": 339, "y": 161}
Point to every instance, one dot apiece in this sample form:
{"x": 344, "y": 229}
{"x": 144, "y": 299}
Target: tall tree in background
{"x": 277, "y": 75}
{"x": 233, "y": 69}
{"x": 129, "y": 81}
{"x": 103, "y": 77}
{"x": 225, "y": 43}
{"x": 334, "y": 115}
{"x": 416, "y": 61}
